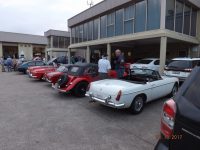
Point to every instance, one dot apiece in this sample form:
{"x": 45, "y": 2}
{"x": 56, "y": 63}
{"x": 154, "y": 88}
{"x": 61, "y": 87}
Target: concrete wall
{"x": 1, "y": 50}
{"x": 27, "y": 51}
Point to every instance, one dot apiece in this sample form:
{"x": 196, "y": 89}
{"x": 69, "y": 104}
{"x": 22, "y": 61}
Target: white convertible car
{"x": 139, "y": 87}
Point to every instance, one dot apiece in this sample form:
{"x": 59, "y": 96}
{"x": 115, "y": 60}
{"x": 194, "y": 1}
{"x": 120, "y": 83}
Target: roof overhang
{"x": 139, "y": 36}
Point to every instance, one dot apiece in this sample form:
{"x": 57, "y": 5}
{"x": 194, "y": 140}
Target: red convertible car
{"x": 38, "y": 73}
{"x": 52, "y": 77}
{"x": 77, "y": 79}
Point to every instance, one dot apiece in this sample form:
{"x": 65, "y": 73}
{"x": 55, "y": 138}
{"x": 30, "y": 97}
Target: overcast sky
{"x": 37, "y": 16}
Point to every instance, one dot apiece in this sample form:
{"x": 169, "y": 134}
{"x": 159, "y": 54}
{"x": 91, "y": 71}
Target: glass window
{"x": 67, "y": 42}
{"x": 144, "y": 61}
{"x": 76, "y": 34}
{"x": 110, "y": 24}
{"x": 103, "y": 26}
{"x": 31, "y": 64}
{"x": 80, "y": 33}
{"x": 154, "y": 11}
{"x": 180, "y": 64}
{"x": 61, "y": 42}
{"x": 192, "y": 93}
{"x": 119, "y": 22}
{"x": 90, "y": 30}
{"x": 55, "y": 41}
{"x": 85, "y": 32}
{"x": 129, "y": 14}
{"x": 39, "y": 63}
{"x": 170, "y": 10}
{"x": 157, "y": 62}
{"x": 96, "y": 29}
{"x": 140, "y": 16}
{"x": 179, "y": 17}
{"x": 49, "y": 41}
{"x": 187, "y": 11}
{"x": 193, "y": 23}
{"x": 73, "y": 35}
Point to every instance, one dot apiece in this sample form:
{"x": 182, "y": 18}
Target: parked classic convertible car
{"x": 140, "y": 87}
{"x": 24, "y": 66}
{"x": 52, "y": 77}
{"x": 39, "y": 72}
{"x": 77, "y": 79}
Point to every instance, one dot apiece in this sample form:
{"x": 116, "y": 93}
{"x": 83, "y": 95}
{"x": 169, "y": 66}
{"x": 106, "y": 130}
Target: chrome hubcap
{"x": 138, "y": 104}
{"x": 174, "y": 91}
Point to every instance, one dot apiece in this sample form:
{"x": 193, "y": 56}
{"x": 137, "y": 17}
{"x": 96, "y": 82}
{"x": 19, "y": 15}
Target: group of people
{"x": 9, "y": 64}
{"x": 104, "y": 65}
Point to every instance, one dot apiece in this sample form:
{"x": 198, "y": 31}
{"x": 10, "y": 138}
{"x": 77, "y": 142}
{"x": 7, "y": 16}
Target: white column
{"x": 163, "y": 50}
{"x": 109, "y": 51}
{"x": 51, "y": 54}
{"x": 88, "y": 54}
{"x": 163, "y": 14}
{"x": 1, "y": 50}
{"x": 69, "y": 56}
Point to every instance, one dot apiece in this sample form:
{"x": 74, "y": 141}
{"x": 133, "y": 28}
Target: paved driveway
{"x": 35, "y": 117}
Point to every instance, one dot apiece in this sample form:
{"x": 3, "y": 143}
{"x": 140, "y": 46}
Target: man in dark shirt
{"x": 119, "y": 63}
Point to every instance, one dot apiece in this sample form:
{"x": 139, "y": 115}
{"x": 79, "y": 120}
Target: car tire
{"x": 174, "y": 91}
{"x": 80, "y": 89}
{"x": 137, "y": 104}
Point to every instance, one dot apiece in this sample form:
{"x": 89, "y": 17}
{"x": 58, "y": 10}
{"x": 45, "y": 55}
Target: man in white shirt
{"x": 104, "y": 67}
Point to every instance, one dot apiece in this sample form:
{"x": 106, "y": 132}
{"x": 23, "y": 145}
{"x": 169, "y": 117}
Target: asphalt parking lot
{"x": 35, "y": 117}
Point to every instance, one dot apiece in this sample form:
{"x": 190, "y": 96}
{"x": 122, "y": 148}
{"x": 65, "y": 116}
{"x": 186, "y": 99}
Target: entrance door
{"x": 11, "y": 51}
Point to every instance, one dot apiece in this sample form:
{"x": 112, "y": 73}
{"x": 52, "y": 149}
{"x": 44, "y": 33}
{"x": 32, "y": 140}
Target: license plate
{"x": 176, "y": 72}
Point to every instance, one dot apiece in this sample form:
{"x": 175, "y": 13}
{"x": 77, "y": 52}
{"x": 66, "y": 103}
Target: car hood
{"x": 42, "y": 70}
{"x": 51, "y": 74}
{"x": 113, "y": 86}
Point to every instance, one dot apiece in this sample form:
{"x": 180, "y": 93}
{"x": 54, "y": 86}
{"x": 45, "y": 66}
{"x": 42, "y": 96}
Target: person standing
{"x": 9, "y": 63}
{"x": 104, "y": 67}
{"x": 2, "y": 65}
{"x": 119, "y": 63}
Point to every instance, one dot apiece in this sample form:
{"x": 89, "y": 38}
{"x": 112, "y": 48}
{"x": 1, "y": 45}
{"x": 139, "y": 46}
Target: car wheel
{"x": 174, "y": 91}
{"x": 137, "y": 104}
{"x": 80, "y": 89}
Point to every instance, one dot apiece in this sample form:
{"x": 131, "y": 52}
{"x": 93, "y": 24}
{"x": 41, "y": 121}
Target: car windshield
{"x": 51, "y": 61}
{"x": 61, "y": 69}
{"x": 75, "y": 70}
{"x": 142, "y": 72}
{"x": 142, "y": 76}
{"x": 144, "y": 61}
{"x": 180, "y": 64}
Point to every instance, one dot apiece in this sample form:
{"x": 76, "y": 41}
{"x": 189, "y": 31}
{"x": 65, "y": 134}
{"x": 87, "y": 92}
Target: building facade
{"x": 58, "y": 42}
{"x": 140, "y": 28}
{"x": 16, "y": 44}
{"x": 54, "y": 43}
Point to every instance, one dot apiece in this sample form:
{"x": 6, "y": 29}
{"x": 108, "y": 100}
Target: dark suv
{"x": 180, "y": 120}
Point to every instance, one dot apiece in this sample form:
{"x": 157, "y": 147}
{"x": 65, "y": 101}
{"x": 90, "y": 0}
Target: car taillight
{"x": 168, "y": 118}
{"x": 118, "y": 95}
{"x": 188, "y": 70}
{"x": 88, "y": 88}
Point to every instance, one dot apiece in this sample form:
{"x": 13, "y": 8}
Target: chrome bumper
{"x": 56, "y": 88}
{"x": 105, "y": 101}
{"x": 47, "y": 80}
{"x": 32, "y": 76}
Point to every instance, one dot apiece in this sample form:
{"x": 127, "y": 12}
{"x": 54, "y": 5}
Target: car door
{"x": 158, "y": 86}
{"x": 91, "y": 73}
{"x": 156, "y": 65}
